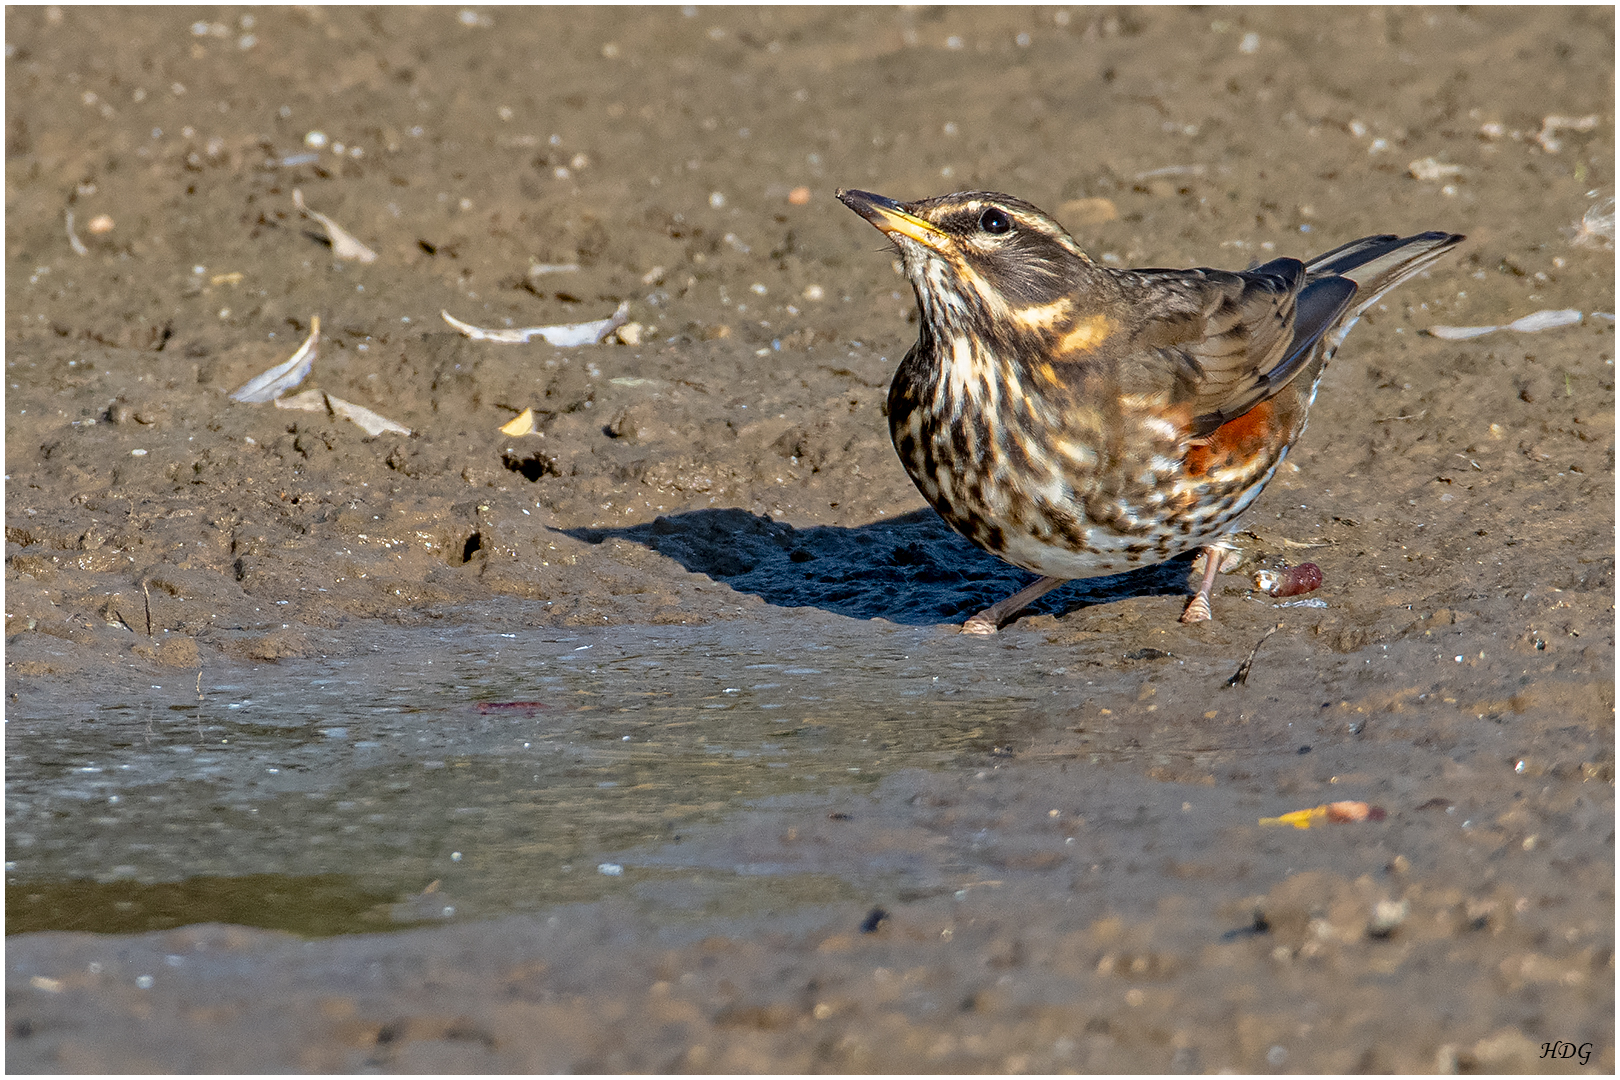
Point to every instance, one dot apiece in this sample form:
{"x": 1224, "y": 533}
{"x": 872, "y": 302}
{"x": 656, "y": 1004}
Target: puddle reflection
{"x": 455, "y": 774}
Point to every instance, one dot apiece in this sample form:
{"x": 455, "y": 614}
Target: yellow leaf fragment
{"x": 522, "y": 424}
{"x": 1299, "y": 819}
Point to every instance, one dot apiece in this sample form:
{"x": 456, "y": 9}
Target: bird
{"x": 1078, "y": 420}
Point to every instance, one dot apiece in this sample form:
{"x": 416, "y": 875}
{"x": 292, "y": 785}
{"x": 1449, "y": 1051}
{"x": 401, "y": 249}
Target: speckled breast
{"x": 1067, "y": 493}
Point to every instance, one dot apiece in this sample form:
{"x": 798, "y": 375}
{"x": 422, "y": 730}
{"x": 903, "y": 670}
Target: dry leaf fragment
{"x": 371, "y": 423}
{"x": 1171, "y": 170}
{"x": 1551, "y": 125}
{"x": 73, "y": 238}
{"x": 1545, "y": 319}
{"x": 1460, "y": 333}
{"x": 522, "y": 424}
{"x": 344, "y": 245}
{"x": 308, "y": 401}
{"x": 283, "y": 377}
{"x": 1596, "y": 227}
{"x": 562, "y": 336}
{"x": 1430, "y": 169}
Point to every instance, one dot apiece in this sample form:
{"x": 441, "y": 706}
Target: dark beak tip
{"x": 863, "y": 201}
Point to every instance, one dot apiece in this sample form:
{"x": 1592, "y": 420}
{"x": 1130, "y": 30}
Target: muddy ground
{"x": 1082, "y": 882}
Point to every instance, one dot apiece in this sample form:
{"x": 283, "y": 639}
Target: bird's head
{"x": 979, "y": 256}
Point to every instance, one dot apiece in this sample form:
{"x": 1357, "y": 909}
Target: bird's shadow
{"x": 911, "y": 569}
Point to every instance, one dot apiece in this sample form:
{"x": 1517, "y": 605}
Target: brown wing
{"x": 1227, "y": 341}
{"x": 1339, "y": 286}
{"x": 1222, "y": 342}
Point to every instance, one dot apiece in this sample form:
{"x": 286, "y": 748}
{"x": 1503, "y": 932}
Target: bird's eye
{"x": 995, "y": 221}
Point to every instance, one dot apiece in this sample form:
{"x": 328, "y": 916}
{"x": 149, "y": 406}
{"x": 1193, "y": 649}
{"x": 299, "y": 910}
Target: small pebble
{"x": 799, "y": 196}
{"x": 1387, "y": 915}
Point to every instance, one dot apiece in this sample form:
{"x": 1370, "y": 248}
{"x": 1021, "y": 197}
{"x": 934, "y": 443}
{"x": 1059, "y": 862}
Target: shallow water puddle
{"x": 453, "y": 773}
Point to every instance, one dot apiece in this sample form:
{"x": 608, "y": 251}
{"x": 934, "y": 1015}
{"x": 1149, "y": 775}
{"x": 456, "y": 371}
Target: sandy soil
{"x": 729, "y": 472}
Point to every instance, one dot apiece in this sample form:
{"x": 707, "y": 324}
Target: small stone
{"x": 1089, "y": 211}
{"x": 1387, "y": 915}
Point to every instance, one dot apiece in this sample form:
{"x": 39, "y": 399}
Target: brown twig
{"x": 1241, "y": 676}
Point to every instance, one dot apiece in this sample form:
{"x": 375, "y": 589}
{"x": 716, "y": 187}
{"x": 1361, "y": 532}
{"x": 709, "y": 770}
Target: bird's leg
{"x": 1198, "y": 609}
{"x": 990, "y": 619}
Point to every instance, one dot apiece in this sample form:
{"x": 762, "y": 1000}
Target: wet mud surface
{"x": 645, "y": 742}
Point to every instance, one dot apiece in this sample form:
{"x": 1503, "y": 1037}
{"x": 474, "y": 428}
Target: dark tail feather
{"x": 1377, "y": 264}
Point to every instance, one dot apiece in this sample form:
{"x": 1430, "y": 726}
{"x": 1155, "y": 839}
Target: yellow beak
{"x": 891, "y": 218}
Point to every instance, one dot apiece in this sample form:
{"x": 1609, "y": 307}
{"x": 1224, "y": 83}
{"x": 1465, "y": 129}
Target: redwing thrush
{"x": 1078, "y": 420}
